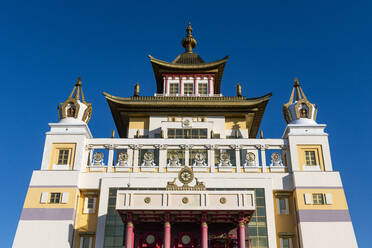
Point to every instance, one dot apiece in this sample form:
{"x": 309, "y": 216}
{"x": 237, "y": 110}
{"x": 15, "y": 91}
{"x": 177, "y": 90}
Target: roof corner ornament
{"x": 189, "y": 42}
{"x": 75, "y": 106}
{"x": 238, "y": 90}
{"x": 298, "y": 110}
{"x": 136, "y": 90}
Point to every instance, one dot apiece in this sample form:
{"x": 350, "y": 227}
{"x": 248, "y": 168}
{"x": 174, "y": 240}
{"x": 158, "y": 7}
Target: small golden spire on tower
{"x": 238, "y": 90}
{"x": 189, "y": 42}
{"x": 136, "y": 90}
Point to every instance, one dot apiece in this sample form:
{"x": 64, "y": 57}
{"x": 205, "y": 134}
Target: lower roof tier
{"x": 122, "y": 108}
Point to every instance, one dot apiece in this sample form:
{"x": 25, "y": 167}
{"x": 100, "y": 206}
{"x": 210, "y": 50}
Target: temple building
{"x": 189, "y": 169}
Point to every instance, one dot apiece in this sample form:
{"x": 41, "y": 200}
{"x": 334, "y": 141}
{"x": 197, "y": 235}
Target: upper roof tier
{"x": 188, "y": 62}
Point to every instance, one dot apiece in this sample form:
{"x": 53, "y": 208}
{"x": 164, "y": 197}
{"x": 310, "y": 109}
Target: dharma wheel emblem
{"x": 98, "y": 158}
{"x": 250, "y": 157}
{"x": 185, "y": 175}
{"x": 276, "y": 157}
{"x": 123, "y": 156}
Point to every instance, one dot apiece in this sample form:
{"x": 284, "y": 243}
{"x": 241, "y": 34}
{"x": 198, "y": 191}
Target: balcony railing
{"x": 203, "y": 155}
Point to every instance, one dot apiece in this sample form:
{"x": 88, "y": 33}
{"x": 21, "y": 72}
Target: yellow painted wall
{"x": 86, "y": 222}
{"x": 34, "y": 195}
{"x": 234, "y": 122}
{"x": 318, "y": 154}
{"x": 54, "y": 153}
{"x": 338, "y": 199}
{"x": 286, "y": 223}
{"x": 138, "y": 122}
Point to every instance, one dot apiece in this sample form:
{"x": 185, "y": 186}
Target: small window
{"x": 55, "y": 198}
{"x": 318, "y": 199}
{"x": 188, "y": 88}
{"x": 85, "y": 242}
{"x": 63, "y": 156}
{"x": 285, "y": 243}
{"x": 90, "y": 205}
{"x": 173, "y": 88}
{"x": 283, "y": 206}
{"x": 203, "y": 88}
{"x": 310, "y": 158}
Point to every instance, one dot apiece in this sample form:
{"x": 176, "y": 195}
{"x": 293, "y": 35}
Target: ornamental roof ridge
{"x": 188, "y": 98}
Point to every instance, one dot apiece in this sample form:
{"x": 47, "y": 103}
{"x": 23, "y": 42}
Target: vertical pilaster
{"x": 195, "y": 85}
{"x": 162, "y": 157}
{"x": 237, "y": 159}
{"x": 110, "y": 161}
{"x": 187, "y": 154}
{"x": 211, "y": 161}
{"x": 263, "y": 156}
{"x": 181, "y": 85}
{"x": 135, "y": 149}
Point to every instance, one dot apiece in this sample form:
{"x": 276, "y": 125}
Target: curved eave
{"x": 205, "y": 66}
{"x": 121, "y": 107}
{"x": 179, "y": 100}
{"x": 160, "y": 66}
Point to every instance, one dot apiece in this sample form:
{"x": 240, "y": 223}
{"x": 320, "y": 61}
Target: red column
{"x": 130, "y": 233}
{"x": 241, "y": 233}
{"x": 167, "y": 232}
{"x": 204, "y": 232}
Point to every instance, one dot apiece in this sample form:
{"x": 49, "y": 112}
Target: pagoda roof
{"x": 188, "y": 63}
{"x": 123, "y": 107}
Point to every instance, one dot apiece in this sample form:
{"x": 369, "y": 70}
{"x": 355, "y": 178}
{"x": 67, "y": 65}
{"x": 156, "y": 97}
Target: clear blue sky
{"x": 46, "y": 45}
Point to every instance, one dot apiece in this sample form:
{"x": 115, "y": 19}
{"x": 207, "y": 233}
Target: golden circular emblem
{"x": 185, "y": 200}
{"x": 222, "y": 200}
{"x": 147, "y": 200}
{"x": 185, "y": 175}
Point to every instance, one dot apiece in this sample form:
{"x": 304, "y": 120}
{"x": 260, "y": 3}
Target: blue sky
{"x": 46, "y": 45}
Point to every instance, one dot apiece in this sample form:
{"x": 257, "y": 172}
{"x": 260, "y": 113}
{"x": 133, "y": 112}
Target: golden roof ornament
{"x": 136, "y": 90}
{"x": 238, "y": 90}
{"x": 186, "y": 176}
{"x": 298, "y": 110}
{"x": 75, "y": 106}
{"x": 189, "y": 42}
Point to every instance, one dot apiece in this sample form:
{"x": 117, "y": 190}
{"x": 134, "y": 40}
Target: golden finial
{"x": 113, "y": 133}
{"x": 136, "y": 90}
{"x": 189, "y": 42}
{"x": 78, "y": 82}
{"x": 296, "y": 83}
{"x": 261, "y": 134}
{"x": 238, "y": 90}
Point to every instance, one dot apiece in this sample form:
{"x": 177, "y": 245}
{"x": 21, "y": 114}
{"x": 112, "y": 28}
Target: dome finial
{"x": 73, "y": 107}
{"x": 189, "y": 42}
{"x": 298, "y": 109}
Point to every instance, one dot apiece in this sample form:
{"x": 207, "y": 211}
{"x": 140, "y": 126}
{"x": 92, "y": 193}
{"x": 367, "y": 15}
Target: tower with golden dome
{"x": 187, "y": 170}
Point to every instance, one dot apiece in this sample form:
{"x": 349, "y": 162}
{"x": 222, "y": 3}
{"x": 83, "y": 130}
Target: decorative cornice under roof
{"x": 122, "y": 107}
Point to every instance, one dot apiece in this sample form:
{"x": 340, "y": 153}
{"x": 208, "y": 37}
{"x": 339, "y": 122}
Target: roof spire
{"x": 74, "y": 107}
{"x": 298, "y": 107}
{"x": 189, "y": 42}
{"x": 75, "y": 93}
